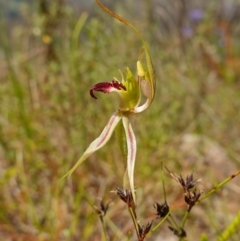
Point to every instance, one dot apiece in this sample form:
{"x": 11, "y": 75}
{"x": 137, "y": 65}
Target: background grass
{"x": 51, "y": 54}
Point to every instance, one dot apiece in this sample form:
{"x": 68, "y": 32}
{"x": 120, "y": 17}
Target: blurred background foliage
{"x": 52, "y": 52}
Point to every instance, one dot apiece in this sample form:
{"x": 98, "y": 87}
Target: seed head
{"x": 162, "y": 209}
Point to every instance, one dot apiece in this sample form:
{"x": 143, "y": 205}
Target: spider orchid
{"x": 130, "y": 90}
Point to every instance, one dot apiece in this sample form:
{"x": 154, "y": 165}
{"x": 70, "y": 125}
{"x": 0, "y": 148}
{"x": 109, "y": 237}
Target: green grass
{"x": 47, "y": 119}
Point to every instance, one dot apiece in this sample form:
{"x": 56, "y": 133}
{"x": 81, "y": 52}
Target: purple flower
{"x": 196, "y": 14}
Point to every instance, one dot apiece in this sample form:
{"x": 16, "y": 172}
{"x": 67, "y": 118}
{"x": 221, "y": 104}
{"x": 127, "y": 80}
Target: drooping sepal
{"x": 99, "y": 142}
{"x": 131, "y": 152}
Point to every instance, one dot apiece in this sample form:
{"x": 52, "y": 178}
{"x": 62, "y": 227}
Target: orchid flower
{"x": 130, "y": 89}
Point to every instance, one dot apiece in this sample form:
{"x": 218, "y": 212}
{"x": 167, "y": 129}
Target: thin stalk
{"x": 163, "y": 183}
{"x": 220, "y": 185}
{"x": 159, "y": 224}
{"x": 134, "y": 221}
{"x": 181, "y": 229}
{"x": 184, "y": 220}
{"x": 176, "y": 225}
{"x": 104, "y": 233}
